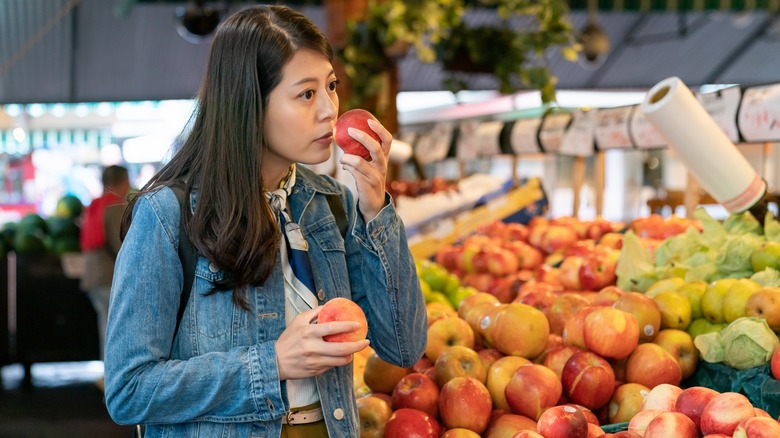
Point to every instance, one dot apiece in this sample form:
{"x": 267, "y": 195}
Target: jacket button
{"x": 321, "y": 294}
{"x": 213, "y": 267}
{"x": 338, "y": 414}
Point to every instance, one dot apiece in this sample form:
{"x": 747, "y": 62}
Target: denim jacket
{"x": 218, "y": 377}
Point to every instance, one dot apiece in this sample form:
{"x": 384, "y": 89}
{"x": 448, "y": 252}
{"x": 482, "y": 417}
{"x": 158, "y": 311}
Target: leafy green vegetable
{"x": 745, "y": 343}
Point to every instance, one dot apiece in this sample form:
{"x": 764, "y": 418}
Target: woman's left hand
{"x": 369, "y": 175}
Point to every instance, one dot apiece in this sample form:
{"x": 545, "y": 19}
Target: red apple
{"x": 645, "y": 310}
{"x": 680, "y": 344}
{"x": 607, "y": 296}
{"x": 417, "y": 391}
{"x": 498, "y": 377}
{"x": 651, "y": 365}
{"x": 539, "y": 299}
{"x": 662, "y": 398}
{"x": 527, "y": 256}
{"x": 598, "y": 269}
{"x": 373, "y": 413}
{"x": 532, "y": 389}
{"x": 626, "y": 402}
{"x": 671, "y": 424}
{"x": 611, "y": 332}
{"x": 527, "y": 434}
{"x": 590, "y": 417}
{"x": 562, "y": 422}
{"x": 562, "y": 309}
{"x": 775, "y": 364}
{"x": 421, "y": 365}
{"x": 472, "y": 301}
{"x": 757, "y": 427}
{"x": 489, "y": 356}
{"x": 459, "y": 432}
{"x": 520, "y": 330}
{"x": 639, "y": 422}
{"x": 550, "y": 275}
{"x": 588, "y": 380}
{"x": 358, "y": 119}
{"x": 343, "y": 309}
{"x": 411, "y": 423}
{"x": 557, "y": 357}
{"x": 501, "y": 261}
{"x": 508, "y": 425}
{"x": 557, "y": 239}
{"x": 574, "y": 329}
{"x": 612, "y": 240}
{"x": 594, "y": 431}
{"x": 445, "y": 333}
{"x": 465, "y": 402}
{"x": 724, "y": 413}
{"x": 459, "y": 361}
{"x": 762, "y": 413}
{"x": 570, "y": 272}
{"x": 382, "y": 376}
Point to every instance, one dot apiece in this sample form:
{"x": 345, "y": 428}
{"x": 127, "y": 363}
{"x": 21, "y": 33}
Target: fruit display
{"x": 569, "y": 328}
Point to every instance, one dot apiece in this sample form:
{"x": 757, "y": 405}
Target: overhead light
{"x": 196, "y": 21}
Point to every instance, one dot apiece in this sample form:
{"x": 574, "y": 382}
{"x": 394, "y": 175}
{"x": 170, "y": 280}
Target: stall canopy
{"x": 111, "y": 50}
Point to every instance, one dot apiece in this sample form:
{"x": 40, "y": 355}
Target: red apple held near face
{"x": 757, "y": 427}
{"x": 671, "y": 424}
{"x": 358, "y": 119}
{"x": 508, "y": 425}
{"x": 639, "y": 422}
{"x": 588, "y": 380}
{"x": 562, "y": 422}
{"x": 374, "y": 414}
{"x": 342, "y": 309}
{"x": 651, "y": 365}
{"x": 532, "y": 389}
{"x": 611, "y": 332}
{"x": 498, "y": 377}
{"x": 417, "y": 391}
{"x": 411, "y": 423}
{"x": 724, "y": 413}
{"x": 465, "y": 402}
{"x": 662, "y": 398}
{"x": 459, "y": 361}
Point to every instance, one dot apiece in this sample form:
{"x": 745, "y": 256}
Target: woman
{"x": 246, "y": 356}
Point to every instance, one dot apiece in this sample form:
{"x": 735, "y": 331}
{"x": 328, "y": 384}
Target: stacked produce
{"x": 34, "y": 235}
{"x": 567, "y": 328}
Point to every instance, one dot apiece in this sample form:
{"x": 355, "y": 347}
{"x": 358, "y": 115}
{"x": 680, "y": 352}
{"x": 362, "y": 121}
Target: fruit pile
{"x": 34, "y": 235}
{"x": 555, "y": 330}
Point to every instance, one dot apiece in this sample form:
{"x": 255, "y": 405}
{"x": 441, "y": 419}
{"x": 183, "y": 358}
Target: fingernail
{"x": 351, "y": 131}
{"x": 355, "y": 326}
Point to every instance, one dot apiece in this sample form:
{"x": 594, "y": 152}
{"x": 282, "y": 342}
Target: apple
{"x": 489, "y": 356}
{"x": 465, "y": 402}
{"x": 483, "y": 327}
{"x": 644, "y": 310}
{"x": 765, "y": 256}
{"x": 422, "y": 364}
{"x": 588, "y": 380}
{"x": 562, "y": 309}
{"x": 527, "y": 256}
{"x": 417, "y": 391}
{"x": 626, "y": 401}
{"x": 557, "y": 239}
{"x": 639, "y": 422}
{"x": 594, "y": 431}
{"x": 765, "y": 303}
{"x": 343, "y": 309}
{"x": 539, "y": 299}
{"x": 570, "y": 272}
{"x": 611, "y": 332}
{"x": 459, "y": 432}
{"x": 761, "y": 413}
{"x": 553, "y": 341}
{"x": 445, "y": 333}
{"x": 651, "y": 365}
{"x": 662, "y": 398}
{"x": 411, "y": 423}
{"x": 382, "y": 376}
{"x": 612, "y": 240}
{"x": 373, "y": 413}
{"x": 515, "y": 231}
{"x": 574, "y": 329}
{"x": 532, "y": 389}
{"x": 520, "y": 330}
{"x": 562, "y": 422}
{"x": 590, "y": 417}
{"x": 775, "y": 364}
{"x": 675, "y": 310}
{"x": 712, "y": 300}
{"x": 735, "y": 301}
{"x": 724, "y": 413}
{"x": 694, "y": 291}
{"x": 548, "y": 275}
{"x": 358, "y": 119}
{"x": 757, "y": 427}
{"x": 671, "y": 424}
{"x": 447, "y": 256}
{"x": 509, "y": 425}
{"x": 692, "y": 401}
{"x": 557, "y": 357}
{"x": 459, "y": 361}
{"x": 501, "y": 261}
{"x": 608, "y": 296}
{"x": 621, "y": 434}
{"x": 498, "y": 377}
{"x": 527, "y": 434}
{"x": 680, "y": 345}
{"x": 598, "y": 269}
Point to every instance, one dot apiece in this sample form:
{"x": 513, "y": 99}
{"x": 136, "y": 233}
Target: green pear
{"x": 664, "y": 285}
{"x": 712, "y": 300}
{"x": 765, "y": 256}
{"x": 675, "y": 310}
{"x": 698, "y": 326}
{"x": 736, "y": 298}
{"x": 694, "y": 291}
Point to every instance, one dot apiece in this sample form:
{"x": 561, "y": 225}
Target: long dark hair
{"x": 233, "y": 225}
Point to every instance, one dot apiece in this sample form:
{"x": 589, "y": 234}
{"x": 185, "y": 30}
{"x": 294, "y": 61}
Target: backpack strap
{"x": 187, "y": 255}
{"x": 338, "y": 212}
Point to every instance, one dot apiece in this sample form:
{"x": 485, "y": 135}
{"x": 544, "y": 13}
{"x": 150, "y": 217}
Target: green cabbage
{"x": 767, "y": 277}
{"x": 635, "y": 269}
{"x": 745, "y": 343}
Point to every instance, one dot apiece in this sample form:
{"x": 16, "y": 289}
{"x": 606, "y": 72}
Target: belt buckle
{"x": 290, "y": 414}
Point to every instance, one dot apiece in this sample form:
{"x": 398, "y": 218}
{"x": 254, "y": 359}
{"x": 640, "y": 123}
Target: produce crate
{"x": 757, "y": 383}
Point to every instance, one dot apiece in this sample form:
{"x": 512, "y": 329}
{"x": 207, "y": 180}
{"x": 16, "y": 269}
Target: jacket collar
{"x": 307, "y": 180}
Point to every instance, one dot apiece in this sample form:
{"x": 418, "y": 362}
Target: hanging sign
{"x": 759, "y": 114}
{"x": 578, "y": 139}
{"x": 468, "y": 146}
{"x": 643, "y": 133}
{"x": 487, "y": 137}
{"x": 722, "y": 106}
{"x": 552, "y": 131}
{"x": 432, "y": 146}
{"x": 612, "y": 128}
{"x": 524, "y": 138}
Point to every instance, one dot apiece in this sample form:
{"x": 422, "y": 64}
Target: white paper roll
{"x": 702, "y": 146}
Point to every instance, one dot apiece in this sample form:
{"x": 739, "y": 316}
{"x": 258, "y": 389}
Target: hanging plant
{"x": 436, "y": 30}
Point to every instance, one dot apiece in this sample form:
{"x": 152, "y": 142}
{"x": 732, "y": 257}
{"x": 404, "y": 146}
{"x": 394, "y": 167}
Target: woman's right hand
{"x": 301, "y": 352}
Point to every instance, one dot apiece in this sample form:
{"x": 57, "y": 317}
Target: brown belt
{"x": 303, "y": 417}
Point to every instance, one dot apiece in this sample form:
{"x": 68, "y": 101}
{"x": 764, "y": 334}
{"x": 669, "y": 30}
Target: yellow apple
{"x": 765, "y": 256}
{"x": 736, "y": 298}
{"x": 626, "y": 402}
{"x": 765, "y": 303}
{"x": 445, "y": 333}
{"x": 680, "y": 345}
{"x": 498, "y": 376}
{"x": 675, "y": 310}
{"x": 712, "y": 300}
{"x": 694, "y": 291}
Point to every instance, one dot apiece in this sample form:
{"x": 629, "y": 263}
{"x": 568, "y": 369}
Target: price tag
{"x": 722, "y": 107}
{"x": 487, "y": 137}
{"x": 468, "y": 146}
{"x": 759, "y": 114}
{"x": 612, "y": 128}
{"x": 578, "y": 139}
{"x": 553, "y": 129}
{"x": 643, "y": 133}
{"x": 523, "y": 138}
